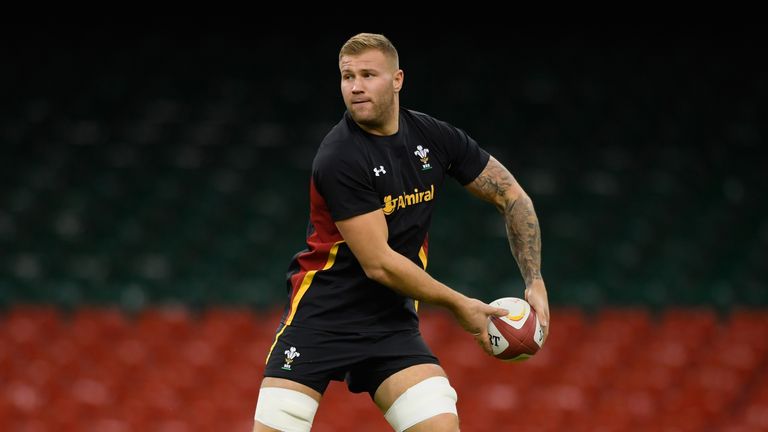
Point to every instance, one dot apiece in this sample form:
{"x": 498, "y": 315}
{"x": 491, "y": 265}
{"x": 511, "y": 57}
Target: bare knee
{"x": 258, "y": 427}
{"x": 445, "y": 422}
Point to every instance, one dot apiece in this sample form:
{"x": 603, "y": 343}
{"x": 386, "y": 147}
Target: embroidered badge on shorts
{"x": 290, "y": 356}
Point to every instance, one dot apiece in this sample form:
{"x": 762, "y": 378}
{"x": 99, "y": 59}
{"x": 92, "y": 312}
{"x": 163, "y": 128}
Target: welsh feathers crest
{"x": 290, "y": 355}
{"x": 421, "y": 153}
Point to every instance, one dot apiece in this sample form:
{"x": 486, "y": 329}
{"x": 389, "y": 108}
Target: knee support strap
{"x": 424, "y": 400}
{"x": 285, "y": 409}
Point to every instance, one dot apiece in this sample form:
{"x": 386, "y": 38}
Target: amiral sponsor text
{"x": 405, "y": 200}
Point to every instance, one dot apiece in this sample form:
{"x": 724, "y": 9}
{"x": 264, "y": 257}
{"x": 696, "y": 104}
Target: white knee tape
{"x": 424, "y": 400}
{"x": 285, "y": 410}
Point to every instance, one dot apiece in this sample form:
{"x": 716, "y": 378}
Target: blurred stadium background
{"x": 153, "y": 187}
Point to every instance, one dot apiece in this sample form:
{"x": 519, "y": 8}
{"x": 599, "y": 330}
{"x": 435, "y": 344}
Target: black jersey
{"x": 354, "y": 173}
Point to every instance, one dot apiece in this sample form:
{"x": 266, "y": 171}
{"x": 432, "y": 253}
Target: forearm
{"x": 403, "y": 276}
{"x": 524, "y": 236}
{"x": 496, "y": 185}
{"x": 366, "y": 236}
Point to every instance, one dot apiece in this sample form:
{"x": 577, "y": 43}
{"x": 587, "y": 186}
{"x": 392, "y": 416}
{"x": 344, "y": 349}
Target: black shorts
{"x": 364, "y": 360}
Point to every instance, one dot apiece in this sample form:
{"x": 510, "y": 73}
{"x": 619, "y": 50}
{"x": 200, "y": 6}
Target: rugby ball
{"x": 518, "y": 335}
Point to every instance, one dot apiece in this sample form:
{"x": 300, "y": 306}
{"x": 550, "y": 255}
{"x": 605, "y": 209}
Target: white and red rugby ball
{"x": 518, "y": 335}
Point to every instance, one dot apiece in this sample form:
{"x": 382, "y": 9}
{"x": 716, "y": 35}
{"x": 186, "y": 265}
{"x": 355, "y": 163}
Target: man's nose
{"x": 357, "y": 86}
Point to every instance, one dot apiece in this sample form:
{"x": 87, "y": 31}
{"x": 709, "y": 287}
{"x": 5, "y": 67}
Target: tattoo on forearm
{"x": 524, "y": 237}
{"x": 519, "y": 217}
{"x": 494, "y": 182}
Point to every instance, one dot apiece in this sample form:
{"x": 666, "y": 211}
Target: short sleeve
{"x": 345, "y": 185}
{"x": 466, "y": 158}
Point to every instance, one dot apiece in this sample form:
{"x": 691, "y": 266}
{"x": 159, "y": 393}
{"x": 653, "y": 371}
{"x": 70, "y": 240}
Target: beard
{"x": 373, "y": 115}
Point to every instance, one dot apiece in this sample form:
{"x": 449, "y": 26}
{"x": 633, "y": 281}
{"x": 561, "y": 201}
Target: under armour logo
{"x": 380, "y": 170}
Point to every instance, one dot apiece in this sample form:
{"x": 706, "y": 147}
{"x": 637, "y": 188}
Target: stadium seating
{"x": 171, "y": 369}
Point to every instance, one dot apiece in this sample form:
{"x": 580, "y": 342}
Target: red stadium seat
{"x": 91, "y": 326}
{"x": 617, "y": 372}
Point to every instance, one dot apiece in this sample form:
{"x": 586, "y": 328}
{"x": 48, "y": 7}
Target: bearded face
{"x": 370, "y": 85}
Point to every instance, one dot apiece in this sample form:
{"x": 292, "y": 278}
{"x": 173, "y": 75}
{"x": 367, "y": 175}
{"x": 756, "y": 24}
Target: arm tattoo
{"x": 524, "y": 237}
{"x": 493, "y": 184}
{"x": 519, "y": 216}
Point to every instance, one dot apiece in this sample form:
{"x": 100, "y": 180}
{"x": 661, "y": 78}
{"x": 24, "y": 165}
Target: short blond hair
{"x": 361, "y": 42}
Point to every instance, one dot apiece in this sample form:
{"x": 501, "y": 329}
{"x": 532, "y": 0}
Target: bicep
{"x": 366, "y": 235}
{"x": 495, "y": 184}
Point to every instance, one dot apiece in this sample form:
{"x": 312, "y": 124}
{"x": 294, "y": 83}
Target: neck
{"x": 389, "y": 127}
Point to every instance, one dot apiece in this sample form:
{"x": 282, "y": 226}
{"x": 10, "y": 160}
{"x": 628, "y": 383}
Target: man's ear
{"x": 397, "y": 80}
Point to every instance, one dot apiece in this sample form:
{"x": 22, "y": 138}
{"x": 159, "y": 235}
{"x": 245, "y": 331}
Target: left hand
{"x": 536, "y": 296}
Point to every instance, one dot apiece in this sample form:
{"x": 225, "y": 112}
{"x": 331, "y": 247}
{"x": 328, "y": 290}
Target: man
{"x": 353, "y": 294}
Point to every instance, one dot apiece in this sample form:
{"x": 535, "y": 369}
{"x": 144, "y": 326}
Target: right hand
{"x": 473, "y": 316}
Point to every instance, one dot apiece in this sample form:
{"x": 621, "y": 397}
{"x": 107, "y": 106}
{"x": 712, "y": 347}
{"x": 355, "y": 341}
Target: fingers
{"x": 544, "y": 320}
{"x": 545, "y": 330}
{"x": 484, "y": 342}
{"x": 542, "y": 309}
{"x": 476, "y": 322}
{"x": 536, "y": 295}
{"x": 499, "y": 312}
{"x": 544, "y": 317}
